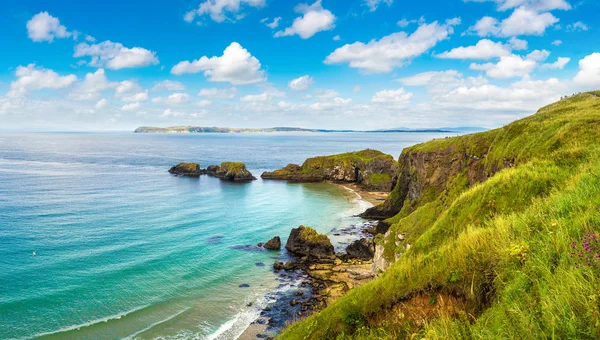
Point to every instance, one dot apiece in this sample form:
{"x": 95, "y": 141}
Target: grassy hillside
{"x": 499, "y": 249}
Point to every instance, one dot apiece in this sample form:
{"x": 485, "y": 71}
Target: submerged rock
{"x": 273, "y": 244}
{"x": 187, "y": 169}
{"x": 306, "y": 242}
{"x": 362, "y": 249}
{"x": 231, "y": 171}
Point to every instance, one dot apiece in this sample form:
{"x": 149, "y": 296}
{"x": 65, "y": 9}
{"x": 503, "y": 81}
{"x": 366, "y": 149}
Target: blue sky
{"x": 358, "y": 64}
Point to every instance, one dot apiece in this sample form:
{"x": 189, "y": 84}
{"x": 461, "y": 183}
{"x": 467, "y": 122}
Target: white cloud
{"x": 130, "y": 91}
{"x": 508, "y": 67}
{"x": 523, "y": 21}
{"x": 168, "y": 85}
{"x": 330, "y": 104}
{"x": 101, "y": 104}
{"x": 90, "y": 38}
{"x": 484, "y": 49}
{"x": 273, "y": 24}
{"x": 537, "y": 5}
{"x": 577, "y": 27}
{"x": 173, "y": 99}
{"x": 314, "y": 19}
{"x": 373, "y": 4}
{"x": 517, "y": 44}
{"x": 92, "y": 86}
{"x": 32, "y": 78}
{"x": 337, "y": 38}
{"x": 559, "y": 64}
{"x": 589, "y": 71}
{"x": 216, "y": 93}
{"x": 171, "y": 113}
{"x": 392, "y": 51}
{"x": 396, "y": 97}
{"x": 236, "y": 66}
{"x": 263, "y": 97}
{"x": 221, "y": 10}
{"x": 557, "y": 42}
{"x": 326, "y": 93}
{"x": 130, "y": 106}
{"x": 44, "y": 27}
{"x": 301, "y": 83}
{"x": 404, "y": 23}
{"x": 538, "y": 55}
{"x": 115, "y": 56}
{"x": 426, "y": 78}
{"x": 203, "y": 103}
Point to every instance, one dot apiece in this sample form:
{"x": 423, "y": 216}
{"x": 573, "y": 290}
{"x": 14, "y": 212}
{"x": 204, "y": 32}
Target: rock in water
{"x": 187, "y": 169}
{"x": 362, "y": 249}
{"x": 306, "y": 242}
{"x": 273, "y": 244}
{"x": 231, "y": 171}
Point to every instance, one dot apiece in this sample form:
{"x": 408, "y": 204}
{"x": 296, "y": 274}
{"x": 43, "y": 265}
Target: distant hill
{"x": 201, "y": 129}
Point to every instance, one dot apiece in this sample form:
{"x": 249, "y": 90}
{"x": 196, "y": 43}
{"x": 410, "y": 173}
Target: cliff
{"x": 493, "y": 235}
{"x": 371, "y": 169}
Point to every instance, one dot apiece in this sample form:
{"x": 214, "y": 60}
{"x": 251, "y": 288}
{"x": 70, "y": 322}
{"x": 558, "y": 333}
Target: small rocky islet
{"x": 229, "y": 171}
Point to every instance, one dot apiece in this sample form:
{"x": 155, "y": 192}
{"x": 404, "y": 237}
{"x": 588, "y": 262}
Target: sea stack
{"x": 187, "y": 169}
{"x": 231, "y": 171}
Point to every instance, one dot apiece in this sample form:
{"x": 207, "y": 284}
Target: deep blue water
{"x": 123, "y": 249}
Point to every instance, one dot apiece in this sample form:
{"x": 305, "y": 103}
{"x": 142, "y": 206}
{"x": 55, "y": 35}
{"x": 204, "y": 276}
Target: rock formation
{"x": 372, "y": 170}
{"x": 187, "y": 169}
{"x": 306, "y": 242}
{"x": 231, "y": 171}
{"x": 362, "y": 249}
{"x": 273, "y": 244}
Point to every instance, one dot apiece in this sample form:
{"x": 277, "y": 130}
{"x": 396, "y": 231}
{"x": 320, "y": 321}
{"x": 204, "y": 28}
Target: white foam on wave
{"x": 92, "y": 323}
{"x": 156, "y": 324}
{"x": 359, "y": 204}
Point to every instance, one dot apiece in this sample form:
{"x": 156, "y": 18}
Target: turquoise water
{"x": 123, "y": 249}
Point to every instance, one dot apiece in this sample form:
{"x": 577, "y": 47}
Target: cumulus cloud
{"x": 523, "y": 21}
{"x": 101, "y": 104}
{"x": 373, "y": 4}
{"x": 557, "y": 42}
{"x": 31, "y": 77}
{"x": 395, "y": 97}
{"x": 577, "y": 27}
{"x": 171, "y": 113}
{"x": 44, "y": 27}
{"x": 392, "y": 51}
{"x": 330, "y": 104}
{"x": 559, "y": 64}
{"x": 217, "y": 93}
{"x": 130, "y": 106}
{"x": 537, "y": 5}
{"x": 115, "y": 56}
{"x": 517, "y": 44}
{"x": 92, "y": 86}
{"x": 301, "y": 83}
{"x": 168, "y": 85}
{"x": 236, "y": 66}
{"x": 508, "y": 67}
{"x": 221, "y": 10}
{"x": 130, "y": 91}
{"x": 484, "y": 49}
{"x": 173, "y": 99}
{"x": 314, "y": 19}
{"x": 589, "y": 71}
{"x": 426, "y": 78}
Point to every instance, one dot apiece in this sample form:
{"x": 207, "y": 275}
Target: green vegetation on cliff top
{"x": 494, "y": 258}
{"x": 348, "y": 159}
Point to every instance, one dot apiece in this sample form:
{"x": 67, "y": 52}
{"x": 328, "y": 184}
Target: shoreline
{"x": 310, "y": 281}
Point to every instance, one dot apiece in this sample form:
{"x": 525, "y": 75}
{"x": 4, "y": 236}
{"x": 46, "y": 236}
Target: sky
{"x": 354, "y": 64}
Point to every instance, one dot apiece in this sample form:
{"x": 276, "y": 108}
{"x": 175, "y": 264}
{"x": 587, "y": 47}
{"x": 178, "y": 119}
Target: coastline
{"x": 310, "y": 280}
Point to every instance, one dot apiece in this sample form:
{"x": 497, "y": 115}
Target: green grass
{"x": 501, "y": 246}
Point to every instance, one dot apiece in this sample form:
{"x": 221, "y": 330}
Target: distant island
{"x": 202, "y": 129}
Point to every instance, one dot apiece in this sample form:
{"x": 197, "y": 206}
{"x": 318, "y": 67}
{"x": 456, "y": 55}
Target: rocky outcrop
{"x": 423, "y": 175}
{"x": 273, "y": 244}
{"x": 305, "y": 242}
{"x": 362, "y": 249}
{"x": 231, "y": 171}
{"x": 372, "y": 170}
{"x": 187, "y": 169}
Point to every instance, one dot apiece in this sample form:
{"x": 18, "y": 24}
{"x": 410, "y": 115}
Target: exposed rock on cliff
{"x": 187, "y": 169}
{"x": 371, "y": 169}
{"x": 306, "y": 242}
{"x": 231, "y": 171}
{"x": 362, "y": 249}
{"x": 273, "y": 244}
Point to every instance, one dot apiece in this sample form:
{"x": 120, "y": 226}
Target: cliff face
{"x": 424, "y": 175}
{"x": 371, "y": 169}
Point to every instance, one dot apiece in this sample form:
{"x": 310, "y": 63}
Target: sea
{"x": 99, "y": 241}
